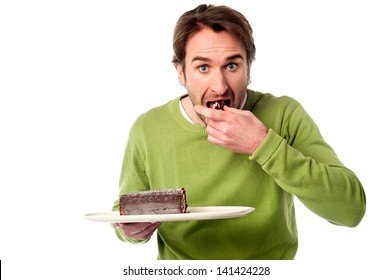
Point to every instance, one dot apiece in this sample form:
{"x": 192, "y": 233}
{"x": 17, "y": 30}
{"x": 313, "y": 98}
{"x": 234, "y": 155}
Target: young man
{"x": 258, "y": 151}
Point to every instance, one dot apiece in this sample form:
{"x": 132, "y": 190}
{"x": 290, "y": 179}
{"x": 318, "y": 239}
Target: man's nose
{"x": 218, "y": 83}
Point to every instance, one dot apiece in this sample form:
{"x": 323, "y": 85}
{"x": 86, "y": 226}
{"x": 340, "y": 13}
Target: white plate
{"x": 195, "y": 213}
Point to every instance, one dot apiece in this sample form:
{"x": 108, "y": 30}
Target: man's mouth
{"x": 218, "y": 104}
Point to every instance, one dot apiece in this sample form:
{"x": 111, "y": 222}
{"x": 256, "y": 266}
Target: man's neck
{"x": 187, "y": 109}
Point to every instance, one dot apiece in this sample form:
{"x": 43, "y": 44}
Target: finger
{"x": 213, "y": 129}
{"x": 153, "y": 227}
{"x": 140, "y": 231}
{"x": 118, "y": 225}
{"x": 202, "y": 110}
{"x": 216, "y": 141}
{"x": 231, "y": 109}
{"x": 234, "y": 110}
{"x": 209, "y": 114}
{"x": 147, "y": 232}
{"x": 135, "y": 228}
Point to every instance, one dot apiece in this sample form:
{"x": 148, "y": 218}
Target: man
{"x": 259, "y": 150}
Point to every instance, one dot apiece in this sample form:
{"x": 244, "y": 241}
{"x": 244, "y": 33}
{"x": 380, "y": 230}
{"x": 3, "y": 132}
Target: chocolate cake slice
{"x": 168, "y": 201}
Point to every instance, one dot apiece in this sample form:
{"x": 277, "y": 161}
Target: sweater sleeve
{"x": 303, "y": 164}
{"x": 133, "y": 178}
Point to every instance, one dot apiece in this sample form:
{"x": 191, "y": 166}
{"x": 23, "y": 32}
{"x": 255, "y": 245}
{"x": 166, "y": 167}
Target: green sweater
{"x": 165, "y": 150}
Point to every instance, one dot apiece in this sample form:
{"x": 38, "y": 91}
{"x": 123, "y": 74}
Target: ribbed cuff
{"x": 269, "y": 145}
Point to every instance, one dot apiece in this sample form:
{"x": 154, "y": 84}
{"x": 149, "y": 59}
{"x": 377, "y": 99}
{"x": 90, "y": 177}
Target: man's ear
{"x": 249, "y": 74}
{"x": 181, "y": 75}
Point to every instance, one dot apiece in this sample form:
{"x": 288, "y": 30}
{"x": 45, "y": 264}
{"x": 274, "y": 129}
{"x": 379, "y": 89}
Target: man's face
{"x": 216, "y": 69}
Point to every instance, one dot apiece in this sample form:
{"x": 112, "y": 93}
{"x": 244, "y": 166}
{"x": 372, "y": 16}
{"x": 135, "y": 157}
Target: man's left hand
{"x": 237, "y": 130}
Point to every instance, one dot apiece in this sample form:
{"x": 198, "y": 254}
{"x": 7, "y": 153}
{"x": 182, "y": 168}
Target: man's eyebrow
{"x": 235, "y": 56}
{"x": 206, "y": 59}
{"x": 200, "y": 58}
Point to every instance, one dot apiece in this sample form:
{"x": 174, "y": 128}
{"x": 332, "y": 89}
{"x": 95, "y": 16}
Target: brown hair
{"x": 218, "y": 18}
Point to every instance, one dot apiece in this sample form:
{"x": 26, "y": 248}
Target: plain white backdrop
{"x": 74, "y": 75}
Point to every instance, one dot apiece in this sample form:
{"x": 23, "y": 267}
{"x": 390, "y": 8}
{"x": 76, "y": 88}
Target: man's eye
{"x": 232, "y": 66}
{"x": 203, "y": 68}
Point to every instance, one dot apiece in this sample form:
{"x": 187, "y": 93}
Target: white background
{"x": 74, "y": 75}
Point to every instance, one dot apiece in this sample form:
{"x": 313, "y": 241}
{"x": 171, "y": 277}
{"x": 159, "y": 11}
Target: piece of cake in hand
{"x": 219, "y": 105}
{"x": 168, "y": 201}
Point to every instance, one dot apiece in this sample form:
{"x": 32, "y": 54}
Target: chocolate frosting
{"x": 168, "y": 201}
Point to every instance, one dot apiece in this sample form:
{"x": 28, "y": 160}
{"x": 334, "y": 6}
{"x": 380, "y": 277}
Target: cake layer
{"x": 168, "y": 201}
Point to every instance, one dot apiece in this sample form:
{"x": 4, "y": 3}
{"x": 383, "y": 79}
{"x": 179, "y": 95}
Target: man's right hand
{"x": 138, "y": 231}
